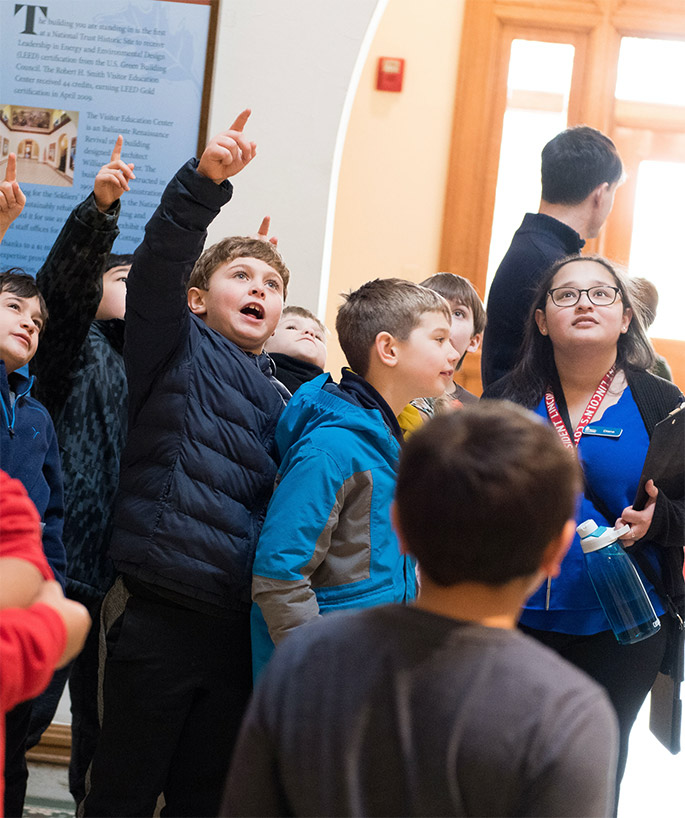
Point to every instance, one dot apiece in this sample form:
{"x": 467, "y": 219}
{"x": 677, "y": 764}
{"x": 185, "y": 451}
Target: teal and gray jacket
{"x": 327, "y": 542}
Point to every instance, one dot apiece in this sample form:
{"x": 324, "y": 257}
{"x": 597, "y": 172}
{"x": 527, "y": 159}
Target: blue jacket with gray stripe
{"x": 327, "y": 542}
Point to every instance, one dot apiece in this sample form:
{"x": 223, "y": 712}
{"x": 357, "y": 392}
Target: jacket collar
{"x": 542, "y": 223}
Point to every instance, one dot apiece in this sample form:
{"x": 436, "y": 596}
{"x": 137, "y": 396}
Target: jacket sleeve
{"x": 70, "y": 281}
{"x": 53, "y": 517}
{"x": 300, "y": 521}
{"x": 20, "y": 526}
{"x": 31, "y": 642}
{"x": 668, "y": 523}
{"x": 157, "y": 316}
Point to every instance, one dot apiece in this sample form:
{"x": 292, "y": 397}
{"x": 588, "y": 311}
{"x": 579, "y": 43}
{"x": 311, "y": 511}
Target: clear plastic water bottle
{"x": 617, "y": 584}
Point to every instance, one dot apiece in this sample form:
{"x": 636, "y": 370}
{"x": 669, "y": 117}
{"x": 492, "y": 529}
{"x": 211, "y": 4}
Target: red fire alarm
{"x": 390, "y": 73}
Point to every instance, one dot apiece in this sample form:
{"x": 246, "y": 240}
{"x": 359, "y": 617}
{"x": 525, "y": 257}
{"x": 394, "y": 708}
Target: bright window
{"x": 656, "y": 249}
{"x": 651, "y": 71}
{"x": 538, "y": 85}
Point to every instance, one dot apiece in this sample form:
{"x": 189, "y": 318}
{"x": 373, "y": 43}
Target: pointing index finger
{"x": 241, "y": 120}
{"x": 11, "y": 169}
{"x": 116, "y": 153}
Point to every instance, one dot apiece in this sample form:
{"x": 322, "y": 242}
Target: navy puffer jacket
{"x": 199, "y": 465}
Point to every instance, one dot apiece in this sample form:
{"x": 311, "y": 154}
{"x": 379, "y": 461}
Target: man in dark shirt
{"x": 581, "y": 170}
{"x": 441, "y": 707}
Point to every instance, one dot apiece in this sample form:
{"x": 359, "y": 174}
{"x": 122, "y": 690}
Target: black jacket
{"x": 199, "y": 465}
{"x": 536, "y": 245}
{"x": 82, "y": 381}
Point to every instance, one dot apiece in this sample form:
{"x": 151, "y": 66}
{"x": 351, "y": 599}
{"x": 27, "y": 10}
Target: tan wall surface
{"x": 389, "y": 209}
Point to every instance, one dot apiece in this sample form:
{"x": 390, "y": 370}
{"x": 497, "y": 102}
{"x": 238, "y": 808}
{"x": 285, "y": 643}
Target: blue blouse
{"x": 612, "y": 467}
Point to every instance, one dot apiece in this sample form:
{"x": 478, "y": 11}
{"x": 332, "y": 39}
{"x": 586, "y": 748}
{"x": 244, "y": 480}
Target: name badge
{"x": 602, "y": 431}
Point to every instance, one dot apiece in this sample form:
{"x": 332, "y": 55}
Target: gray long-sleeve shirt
{"x": 396, "y": 711}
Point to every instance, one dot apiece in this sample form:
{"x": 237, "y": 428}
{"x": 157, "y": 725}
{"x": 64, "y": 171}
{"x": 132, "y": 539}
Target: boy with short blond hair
{"x": 297, "y": 347}
{"x": 327, "y": 543}
{"x": 197, "y": 473}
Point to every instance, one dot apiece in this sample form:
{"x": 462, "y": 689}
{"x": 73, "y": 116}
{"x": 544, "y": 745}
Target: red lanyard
{"x": 588, "y": 414}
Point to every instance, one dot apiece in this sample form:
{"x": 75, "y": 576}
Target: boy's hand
{"x": 228, "y": 153}
{"x": 112, "y": 179}
{"x": 74, "y": 615}
{"x": 263, "y": 232}
{"x": 12, "y": 199}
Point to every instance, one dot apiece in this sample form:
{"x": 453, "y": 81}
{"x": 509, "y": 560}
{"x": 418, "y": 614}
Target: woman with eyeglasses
{"x": 583, "y": 367}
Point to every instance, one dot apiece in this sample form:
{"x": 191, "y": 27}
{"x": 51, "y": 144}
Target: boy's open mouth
{"x": 253, "y": 310}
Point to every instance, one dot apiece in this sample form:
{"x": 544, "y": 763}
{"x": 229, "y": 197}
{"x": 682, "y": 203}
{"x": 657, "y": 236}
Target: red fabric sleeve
{"x": 31, "y": 641}
{"x": 20, "y": 531}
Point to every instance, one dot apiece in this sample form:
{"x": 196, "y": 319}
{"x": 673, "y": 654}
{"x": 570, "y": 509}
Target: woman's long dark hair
{"x": 536, "y": 370}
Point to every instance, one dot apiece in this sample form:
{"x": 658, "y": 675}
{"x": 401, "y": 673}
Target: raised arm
{"x": 157, "y": 315}
{"x": 71, "y": 278}
{"x": 12, "y": 199}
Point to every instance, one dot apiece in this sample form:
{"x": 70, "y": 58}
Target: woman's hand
{"x": 639, "y": 521}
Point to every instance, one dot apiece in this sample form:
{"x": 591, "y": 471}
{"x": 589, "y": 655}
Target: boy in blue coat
{"x": 28, "y": 446}
{"x": 196, "y": 475}
{"x": 327, "y": 543}
{"x": 29, "y": 453}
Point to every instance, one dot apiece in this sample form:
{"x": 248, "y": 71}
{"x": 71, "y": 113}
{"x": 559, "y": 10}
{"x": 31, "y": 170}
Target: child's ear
{"x": 475, "y": 342}
{"x": 395, "y": 521}
{"x": 196, "y": 301}
{"x": 385, "y": 345}
{"x": 556, "y": 550}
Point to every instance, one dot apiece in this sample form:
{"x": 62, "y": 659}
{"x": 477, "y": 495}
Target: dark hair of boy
{"x": 382, "y": 305}
{"x": 303, "y": 312}
{"x": 228, "y": 250}
{"x": 511, "y": 485}
{"x": 118, "y": 260}
{"x": 576, "y": 162}
{"x": 16, "y": 281}
{"x": 457, "y": 289}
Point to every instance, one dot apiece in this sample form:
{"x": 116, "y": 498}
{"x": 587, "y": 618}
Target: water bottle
{"x": 617, "y": 584}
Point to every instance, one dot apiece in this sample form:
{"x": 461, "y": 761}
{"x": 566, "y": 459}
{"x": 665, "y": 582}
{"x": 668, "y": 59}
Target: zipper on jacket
{"x": 10, "y": 423}
{"x": 549, "y": 593}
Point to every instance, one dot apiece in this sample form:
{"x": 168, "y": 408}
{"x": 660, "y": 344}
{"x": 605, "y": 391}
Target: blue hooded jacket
{"x": 327, "y": 542}
{"x": 29, "y": 453}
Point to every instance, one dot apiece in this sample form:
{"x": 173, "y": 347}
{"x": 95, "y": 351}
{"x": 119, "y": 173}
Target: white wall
{"x": 291, "y": 63}
{"x": 390, "y": 203}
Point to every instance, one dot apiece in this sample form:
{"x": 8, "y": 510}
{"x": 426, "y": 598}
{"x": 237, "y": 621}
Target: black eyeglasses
{"x": 600, "y": 296}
